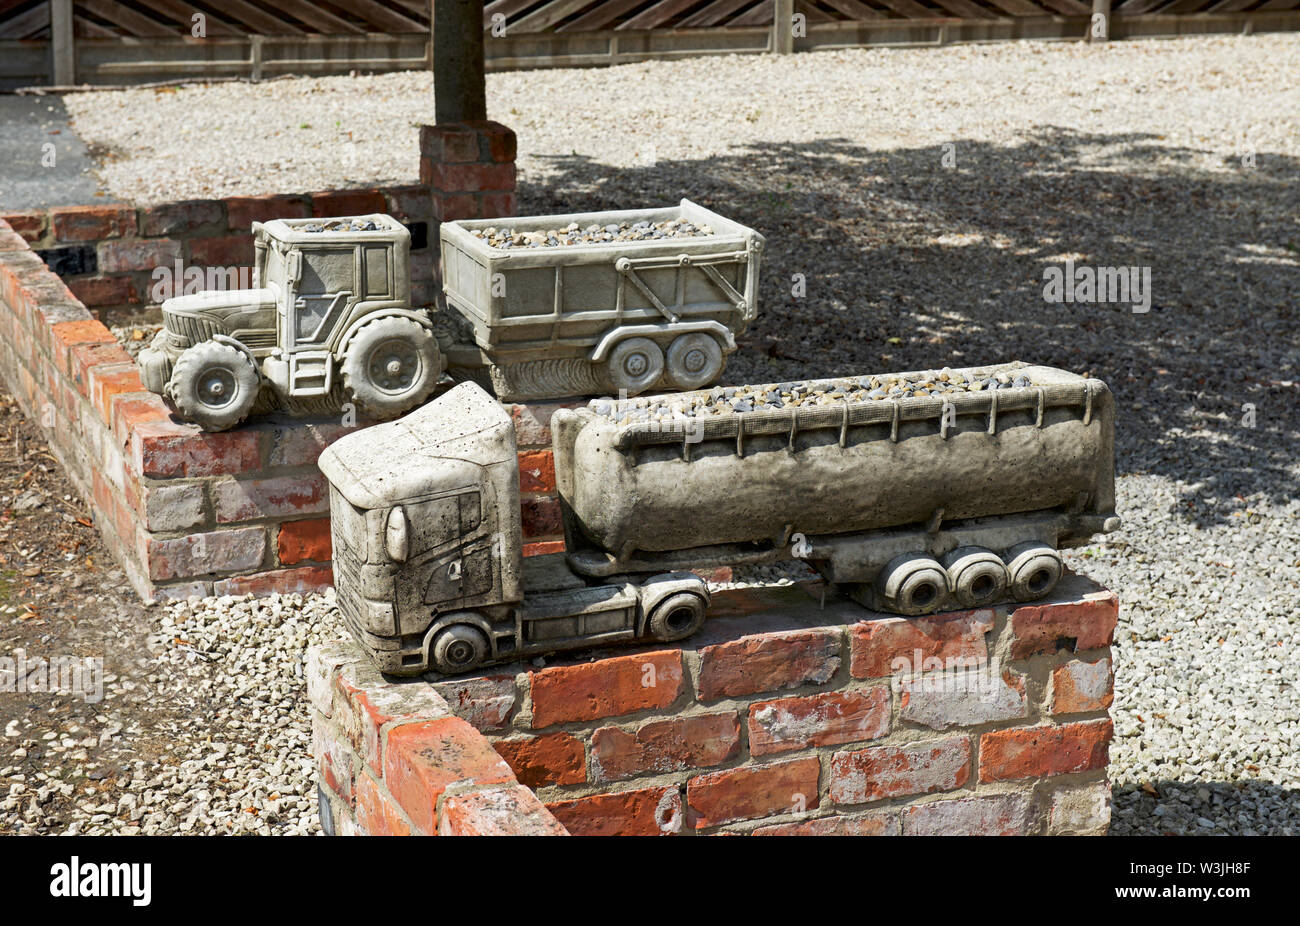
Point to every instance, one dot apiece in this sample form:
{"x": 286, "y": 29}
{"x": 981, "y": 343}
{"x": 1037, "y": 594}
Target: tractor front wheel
{"x": 214, "y": 385}
{"x": 391, "y": 366}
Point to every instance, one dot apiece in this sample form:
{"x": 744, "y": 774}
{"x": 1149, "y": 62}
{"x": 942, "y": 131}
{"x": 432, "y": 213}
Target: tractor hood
{"x": 443, "y": 446}
{"x": 221, "y": 304}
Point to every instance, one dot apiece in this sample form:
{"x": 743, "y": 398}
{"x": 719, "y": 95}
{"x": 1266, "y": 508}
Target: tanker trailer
{"x": 909, "y": 492}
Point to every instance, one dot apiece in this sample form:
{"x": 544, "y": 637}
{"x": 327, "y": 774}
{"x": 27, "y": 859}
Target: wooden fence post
{"x": 1099, "y": 8}
{"x": 783, "y": 27}
{"x": 459, "y": 87}
{"x": 62, "y": 49}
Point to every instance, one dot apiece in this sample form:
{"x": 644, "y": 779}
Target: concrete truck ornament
{"x": 908, "y": 493}
{"x": 568, "y": 305}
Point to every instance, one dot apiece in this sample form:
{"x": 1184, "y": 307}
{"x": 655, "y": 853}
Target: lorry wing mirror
{"x": 397, "y": 541}
{"x": 295, "y": 267}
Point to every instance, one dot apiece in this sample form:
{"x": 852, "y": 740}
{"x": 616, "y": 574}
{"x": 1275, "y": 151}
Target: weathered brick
{"x": 92, "y": 223}
{"x": 552, "y": 759}
{"x": 533, "y": 422}
{"x": 85, "y": 357}
{"x": 377, "y": 813}
{"x": 300, "y": 541}
{"x": 333, "y": 203}
{"x": 818, "y": 720}
{"x": 1037, "y": 752}
{"x": 767, "y": 662}
{"x": 181, "y": 217}
{"x": 879, "y": 772}
{"x": 101, "y": 291}
{"x": 137, "y": 254}
{"x": 1079, "y": 686}
{"x": 165, "y": 449}
{"x": 511, "y": 810}
{"x": 131, "y": 411}
{"x": 322, "y": 663}
{"x": 408, "y": 203}
{"x": 984, "y": 815}
{"x": 496, "y": 141}
{"x": 449, "y": 143}
{"x": 174, "y": 507}
{"x": 366, "y": 702}
{"x": 423, "y": 759}
{"x": 472, "y": 178}
{"x": 1082, "y": 811}
{"x": 862, "y": 824}
{"x": 202, "y": 554}
{"x": 243, "y": 211}
{"x": 303, "y": 580}
{"x": 962, "y": 698}
{"x": 695, "y": 741}
{"x": 222, "y": 251}
{"x": 542, "y": 548}
{"x": 645, "y": 812}
{"x": 109, "y": 380}
{"x": 536, "y": 471}
{"x": 30, "y": 226}
{"x": 896, "y": 645}
{"x": 540, "y": 517}
{"x": 753, "y": 791}
{"x": 607, "y": 688}
{"x": 485, "y": 701}
{"x": 277, "y": 497}
{"x": 1072, "y": 626}
{"x": 336, "y": 763}
{"x": 302, "y": 443}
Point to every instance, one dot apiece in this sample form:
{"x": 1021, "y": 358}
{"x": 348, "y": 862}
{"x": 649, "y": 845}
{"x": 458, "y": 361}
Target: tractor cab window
{"x": 375, "y": 265}
{"x": 325, "y": 285}
{"x": 441, "y": 521}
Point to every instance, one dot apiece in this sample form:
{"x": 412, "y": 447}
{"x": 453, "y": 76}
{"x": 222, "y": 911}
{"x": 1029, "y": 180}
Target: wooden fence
{"x": 113, "y": 42}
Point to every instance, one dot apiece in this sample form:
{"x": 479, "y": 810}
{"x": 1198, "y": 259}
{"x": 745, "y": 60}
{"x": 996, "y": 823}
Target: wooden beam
{"x": 1099, "y": 33}
{"x": 459, "y": 86}
{"x": 783, "y": 27}
{"x": 599, "y": 16}
{"x": 62, "y": 44}
{"x": 26, "y": 24}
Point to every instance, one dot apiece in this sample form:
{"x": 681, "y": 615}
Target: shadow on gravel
{"x": 910, "y": 264}
{"x": 1232, "y": 808}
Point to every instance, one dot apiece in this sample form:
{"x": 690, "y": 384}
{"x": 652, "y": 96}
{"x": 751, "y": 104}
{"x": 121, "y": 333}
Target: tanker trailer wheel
{"x": 214, "y": 385}
{"x": 677, "y": 617}
{"x": 391, "y": 366}
{"x": 976, "y": 576}
{"x": 635, "y": 365}
{"x": 1035, "y": 568}
{"x": 458, "y": 648}
{"x": 694, "y": 360}
{"x": 913, "y": 584}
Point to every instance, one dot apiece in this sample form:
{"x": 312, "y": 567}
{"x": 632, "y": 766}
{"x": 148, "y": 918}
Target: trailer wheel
{"x": 635, "y": 365}
{"x": 458, "y": 648}
{"x": 214, "y": 385}
{"x": 913, "y": 584}
{"x": 694, "y": 361}
{"x": 677, "y": 617}
{"x": 977, "y": 577}
{"x": 391, "y": 366}
{"x": 1035, "y": 568}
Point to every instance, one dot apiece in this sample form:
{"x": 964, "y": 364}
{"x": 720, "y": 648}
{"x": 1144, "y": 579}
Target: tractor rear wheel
{"x": 391, "y": 366}
{"x": 214, "y": 385}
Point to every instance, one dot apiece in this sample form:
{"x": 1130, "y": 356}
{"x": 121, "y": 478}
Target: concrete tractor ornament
{"x": 542, "y": 307}
{"x": 908, "y": 493}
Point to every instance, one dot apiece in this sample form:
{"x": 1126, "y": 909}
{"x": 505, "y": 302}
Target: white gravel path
{"x": 1178, "y": 155}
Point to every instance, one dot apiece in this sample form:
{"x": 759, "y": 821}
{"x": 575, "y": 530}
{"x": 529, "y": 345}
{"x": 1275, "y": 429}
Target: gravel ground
{"x": 911, "y": 200}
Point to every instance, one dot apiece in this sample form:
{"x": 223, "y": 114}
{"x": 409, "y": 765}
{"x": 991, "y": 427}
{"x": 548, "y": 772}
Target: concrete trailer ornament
{"x": 907, "y": 493}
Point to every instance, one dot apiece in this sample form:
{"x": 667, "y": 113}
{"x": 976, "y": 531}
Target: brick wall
{"x": 783, "y": 716}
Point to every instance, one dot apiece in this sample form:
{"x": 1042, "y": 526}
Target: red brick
{"x": 962, "y": 697}
{"x": 501, "y": 142}
{"x": 377, "y": 814}
{"x": 984, "y": 815}
{"x": 86, "y": 357}
{"x": 449, "y": 143}
{"x": 893, "y": 771}
{"x": 336, "y": 203}
{"x": 819, "y": 720}
{"x": 423, "y": 759}
{"x": 540, "y": 517}
{"x": 894, "y": 645}
{"x": 767, "y": 662}
{"x": 553, "y": 759}
{"x": 863, "y": 824}
{"x": 111, "y": 379}
{"x": 30, "y": 226}
{"x": 92, "y": 223}
{"x": 302, "y": 444}
{"x": 137, "y": 254}
{"x": 485, "y": 701}
{"x": 472, "y": 178}
{"x": 659, "y": 746}
{"x": 335, "y": 761}
{"x": 498, "y": 205}
{"x": 183, "y": 217}
{"x": 222, "y": 251}
{"x": 647, "y": 812}
{"x": 537, "y": 471}
{"x": 1080, "y": 686}
{"x": 543, "y": 548}
{"x": 243, "y": 211}
{"x": 101, "y": 291}
{"x": 533, "y": 422}
{"x": 606, "y": 688}
{"x": 305, "y": 540}
{"x": 1038, "y": 752}
{"x": 279, "y": 496}
{"x": 65, "y": 335}
{"x": 129, "y": 412}
{"x": 204, "y": 553}
{"x": 512, "y": 810}
{"x": 304, "y": 580}
{"x": 167, "y": 449}
{"x": 1073, "y": 626}
{"x": 409, "y": 203}
{"x": 753, "y": 791}
{"x": 366, "y": 702}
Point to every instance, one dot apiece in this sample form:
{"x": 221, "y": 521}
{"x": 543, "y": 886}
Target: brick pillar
{"x": 469, "y": 168}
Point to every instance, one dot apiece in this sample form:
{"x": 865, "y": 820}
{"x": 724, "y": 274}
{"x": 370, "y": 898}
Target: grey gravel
{"x": 575, "y": 235}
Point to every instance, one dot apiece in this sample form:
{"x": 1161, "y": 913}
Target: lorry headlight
{"x": 397, "y": 536}
{"x": 379, "y": 618}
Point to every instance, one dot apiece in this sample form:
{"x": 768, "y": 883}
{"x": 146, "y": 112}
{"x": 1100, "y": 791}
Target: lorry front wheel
{"x": 677, "y": 617}
{"x": 214, "y": 385}
{"x": 458, "y": 648}
{"x": 391, "y": 366}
